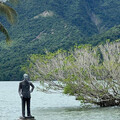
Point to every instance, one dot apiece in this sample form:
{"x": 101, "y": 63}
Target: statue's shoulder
{"x": 29, "y": 82}
{"x": 21, "y": 82}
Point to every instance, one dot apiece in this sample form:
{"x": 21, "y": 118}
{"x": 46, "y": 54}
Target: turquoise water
{"x": 50, "y": 106}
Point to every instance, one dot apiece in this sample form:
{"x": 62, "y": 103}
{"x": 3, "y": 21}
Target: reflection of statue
{"x": 24, "y": 92}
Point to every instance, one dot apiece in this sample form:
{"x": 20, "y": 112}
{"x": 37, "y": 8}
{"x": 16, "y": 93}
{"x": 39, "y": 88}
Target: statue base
{"x": 27, "y": 118}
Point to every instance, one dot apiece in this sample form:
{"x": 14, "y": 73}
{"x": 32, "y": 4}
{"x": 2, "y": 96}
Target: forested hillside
{"x": 55, "y": 24}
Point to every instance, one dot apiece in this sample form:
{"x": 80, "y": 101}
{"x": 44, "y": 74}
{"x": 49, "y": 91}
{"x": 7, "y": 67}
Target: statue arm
{"x": 32, "y": 87}
{"x": 19, "y": 89}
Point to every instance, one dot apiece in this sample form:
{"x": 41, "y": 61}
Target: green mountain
{"x": 55, "y": 24}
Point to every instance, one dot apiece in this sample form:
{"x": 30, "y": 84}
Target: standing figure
{"x": 25, "y": 89}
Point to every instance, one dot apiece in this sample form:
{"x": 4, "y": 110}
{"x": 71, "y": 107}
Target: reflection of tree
{"x": 10, "y": 14}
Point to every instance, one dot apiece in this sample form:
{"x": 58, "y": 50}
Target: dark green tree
{"x": 11, "y": 16}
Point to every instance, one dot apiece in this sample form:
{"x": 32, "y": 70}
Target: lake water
{"x": 50, "y": 106}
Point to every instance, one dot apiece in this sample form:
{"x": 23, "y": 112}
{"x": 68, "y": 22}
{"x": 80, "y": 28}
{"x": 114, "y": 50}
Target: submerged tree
{"x": 10, "y": 14}
{"x": 92, "y": 74}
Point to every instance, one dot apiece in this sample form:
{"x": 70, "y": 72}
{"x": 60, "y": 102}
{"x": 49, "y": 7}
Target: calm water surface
{"x": 50, "y": 106}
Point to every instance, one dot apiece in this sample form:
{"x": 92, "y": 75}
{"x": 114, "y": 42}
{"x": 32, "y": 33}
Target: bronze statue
{"x": 25, "y": 89}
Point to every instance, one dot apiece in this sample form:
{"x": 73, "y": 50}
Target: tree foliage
{"x": 81, "y": 72}
{"x": 11, "y": 16}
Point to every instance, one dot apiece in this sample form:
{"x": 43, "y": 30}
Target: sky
{"x": 2, "y": 0}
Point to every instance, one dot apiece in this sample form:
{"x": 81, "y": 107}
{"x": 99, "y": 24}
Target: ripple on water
{"x": 78, "y": 113}
{"x": 50, "y": 106}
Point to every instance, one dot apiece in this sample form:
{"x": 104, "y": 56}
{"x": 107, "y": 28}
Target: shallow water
{"x": 50, "y": 106}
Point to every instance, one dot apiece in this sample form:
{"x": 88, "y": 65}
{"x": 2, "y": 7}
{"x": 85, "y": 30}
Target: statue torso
{"x": 25, "y": 86}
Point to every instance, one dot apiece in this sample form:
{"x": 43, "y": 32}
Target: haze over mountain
{"x": 55, "y": 24}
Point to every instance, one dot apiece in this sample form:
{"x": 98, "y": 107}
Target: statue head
{"x": 25, "y": 76}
